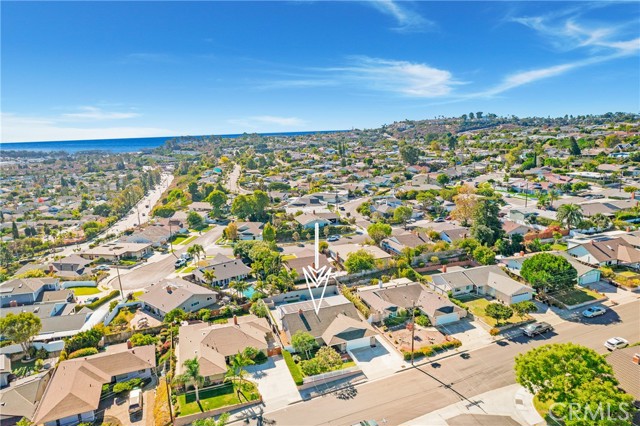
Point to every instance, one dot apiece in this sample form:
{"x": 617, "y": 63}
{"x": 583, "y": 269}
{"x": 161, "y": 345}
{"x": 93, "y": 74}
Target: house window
{"x": 195, "y": 303}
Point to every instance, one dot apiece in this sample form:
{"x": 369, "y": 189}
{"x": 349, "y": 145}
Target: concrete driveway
{"x": 377, "y": 362}
{"x": 274, "y": 383}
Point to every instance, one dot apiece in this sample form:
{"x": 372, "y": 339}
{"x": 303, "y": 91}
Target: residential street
{"x": 232, "y": 181}
{"x": 155, "y": 270}
{"x": 429, "y": 387}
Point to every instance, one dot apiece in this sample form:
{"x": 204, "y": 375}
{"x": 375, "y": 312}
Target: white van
{"x": 135, "y": 401}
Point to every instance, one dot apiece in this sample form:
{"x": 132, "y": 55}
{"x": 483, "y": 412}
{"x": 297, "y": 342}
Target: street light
{"x": 413, "y": 327}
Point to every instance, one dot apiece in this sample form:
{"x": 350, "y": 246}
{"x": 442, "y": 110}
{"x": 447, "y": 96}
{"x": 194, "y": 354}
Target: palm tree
{"x": 239, "y": 286}
{"x": 570, "y": 215}
{"x": 553, "y": 196}
{"x": 236, "y": 372}
{"x": 601, "y": 221}
{"x": 209, "y": 275}
{"x": 543, "y": 199}
{"x": 196, "y": 251}
{"x": 192, "y": 375}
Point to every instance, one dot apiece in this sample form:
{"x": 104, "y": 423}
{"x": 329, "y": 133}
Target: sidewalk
{"x": 511, "y": 402}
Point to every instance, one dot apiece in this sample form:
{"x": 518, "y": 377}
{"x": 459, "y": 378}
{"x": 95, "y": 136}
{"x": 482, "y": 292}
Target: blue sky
{"x": 91, "y": 70}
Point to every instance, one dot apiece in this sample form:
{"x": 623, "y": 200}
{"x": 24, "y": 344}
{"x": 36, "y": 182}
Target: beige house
{"x": 213, "y": 345}
{"x": 176, "y": 293}
{"x": 117, "y": 251}
{"x": 73, "y": 394}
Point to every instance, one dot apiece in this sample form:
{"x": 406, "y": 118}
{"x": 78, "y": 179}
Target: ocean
{"x": 119, "y": 145}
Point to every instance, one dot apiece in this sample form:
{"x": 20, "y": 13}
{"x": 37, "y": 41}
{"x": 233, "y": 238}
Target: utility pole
{"x": 413, "y": 327}
{"x": 119, "y": 280}
{"x": 526, "y": 195}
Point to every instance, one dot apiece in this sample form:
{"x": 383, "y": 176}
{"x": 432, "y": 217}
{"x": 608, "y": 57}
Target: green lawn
{"x": 628, "y": 274}
{"x": 575, "y": 296}
{"x": 559, "y": 247}
{"x": 137, "y": 294}
{"x": 289, "y": 257}
{"x": 179, "y": 239}
{"x": 187, "y": 269}
{"x": 187, "y": 240}
{"x": 477, "y": 307}
{"x": 542, "y": 407}
{"x": 211, "y": 399}
{"x": 85, "y": 291}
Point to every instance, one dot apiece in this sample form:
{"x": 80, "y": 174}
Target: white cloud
{"x": 95, "y": 113}
{"x": 402, "y": 77}
{"x": 17, "y": 128}
{"x": 407, "y": 19}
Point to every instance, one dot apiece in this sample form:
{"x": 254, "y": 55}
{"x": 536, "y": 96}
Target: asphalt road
{"x": 232, "y": 181}
{"x": 426, "y": 388}
{"x": 155, "y": 271}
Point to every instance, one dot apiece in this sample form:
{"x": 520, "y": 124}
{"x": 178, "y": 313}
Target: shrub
{"x": 82, "y": 352}
{"x": 100, "y": 302}
{"x": 140, "y": 339}
{"x": 423, "y": 320}
{"x": 364, "y": 310}
{"x": 494, "y": 331}
{"x": 128, "y": 385}
{"x": 161, "y": 413}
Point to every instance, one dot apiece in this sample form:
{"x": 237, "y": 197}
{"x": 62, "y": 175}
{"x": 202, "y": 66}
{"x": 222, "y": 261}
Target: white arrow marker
{"x": 316, "y": 275}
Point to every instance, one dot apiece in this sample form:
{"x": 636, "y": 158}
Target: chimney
{"x": 169, "y": 290}
{"x": 13, "y": 303}
{"x": 300, "y": 311}
{"x": 129, "y": 344}
{"x": 444, "y": 268}
{"x": 521, "y": 253}
{"x": 235, "y": 320}
{"x": 51, "y": 269}
{"x": 636, "y": 358}
{"x": 380, "y": 284}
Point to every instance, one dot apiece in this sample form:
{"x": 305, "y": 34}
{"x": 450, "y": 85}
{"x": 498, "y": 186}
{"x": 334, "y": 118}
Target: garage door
{"x": 358, "y": 343}
{"x": 590, "y": 277}
{"x": 447, "y": 319}
{"x": 520, "y": 297}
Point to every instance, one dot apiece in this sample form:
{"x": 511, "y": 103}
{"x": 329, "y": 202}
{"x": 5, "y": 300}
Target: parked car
{"x": 616, "y": 343}
{"x": 439, "y": 220}
{"x": 92, "y": 299}
{"x": 186, "y": 256}
{"x": 366, "y": 423}
{"x": 537, "y": 328}
{"x": 593, "y": 311}
{"x": 101, "y": 268}
{"x": 359, "y": 232}
{"x": 180, "y": 263}
{"x": 135, "y": 401}
{"x": 342, "y": 208}
{"x": 333, "y": 238}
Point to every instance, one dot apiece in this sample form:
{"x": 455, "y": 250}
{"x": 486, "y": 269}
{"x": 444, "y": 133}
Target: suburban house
{"x": 606, "y": 252}
{"x": 22, "y": 397}
{"x": 156, "y": 235}
{"x": 73, "y": 394}
{"x": 213, "y": 345}
{"x": 340, "y": 252}
{"x": 59, "y": 318}
{"x": 117, "y": 250}
{"x": 397, "y": 243}
{"x": 586, "y": 274}
{"x": 250, "y": 230}
{"x": 386, "y": 300}
{"x": 26, "y": 291}
{"x": 5, "y": 370}
{"x": 224, "y": 269}
{"x": 306, "y": 259}
{"x": 511, "y": 228}
{"x": 626, "y": 368}
{"x": 336, "y": 324}
{"x": 176, "y": 293}
{"x": 310, "y": 220}
{"x": 488, "y": 280}
{"x": 70, "y": 266}
{"x": 200, "y": 206}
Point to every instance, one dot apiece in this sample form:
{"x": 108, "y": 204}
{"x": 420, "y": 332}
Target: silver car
{"x": 593, "y": 311}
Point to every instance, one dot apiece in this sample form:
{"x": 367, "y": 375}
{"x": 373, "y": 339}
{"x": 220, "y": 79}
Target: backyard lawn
{"x": 217, "y": 397}
{"x": 575, "y": 296}
{"x": 85, "y": 291}
{"x": 477, "y": 307}
{"x": 288, "y": 257}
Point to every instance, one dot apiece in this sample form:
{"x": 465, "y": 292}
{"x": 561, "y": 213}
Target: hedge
{"x": 432, "y": 349}
{"x": 359, "y": 304}
{"x": 294, "y": 369}
{"x": 82, "y": 352}
{"x": 101, "y": 301}
{"x": 128, "y": 385}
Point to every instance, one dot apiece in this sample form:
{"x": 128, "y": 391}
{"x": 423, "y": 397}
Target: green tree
{"x": 358, "y": 261}
{"x": 427, "y": 199}
{"x": 239, "y": 286}
{"x": 574, "y": 149}
{"x": 84, "y": 339}
{"x": 20, "y": 328}
{"x": 192, "y": 375}
{"x": 303, "y": 343}
{"x": 269, "y": 232}
{"x": 379, "y": 231}
{"x": 139, "y": 339}
{"x": 176, "y": 315}
{"x": 548, "y": 272}
{"x": 523, "y": 308}
{"x": 209, "y": 275}
{"x": 218, "y": 200}
{"x": 14, "y": 231}
{"x": 553, "y": 372}
{"x": 443, "y": 179}
{"x": 231, "y": 231}
{"x": 259, "y": 309}
{"x": 570, "y": 215}
{"x": 409, "y": 154}
{"x": 402, "y": 214}
{"x": 243, "y": 206}
{"x": 498, "y": 312}
{"x": 486, "y": 228}
{"x": 195, "y": 221}
{"x": 597, "y": 403}
{"x": 261, "y": 202}
{"x": 24, "y": 422}
{"x": 484, "y": 255}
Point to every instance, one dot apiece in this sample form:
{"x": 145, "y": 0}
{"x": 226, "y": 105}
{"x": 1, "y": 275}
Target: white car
{"x": 616, "y": 343}
{"x": 101, "y": 268}
{"x": 593, "y": 311}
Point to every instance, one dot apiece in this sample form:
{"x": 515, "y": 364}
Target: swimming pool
{"x": 249, "y": 292}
